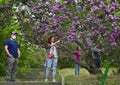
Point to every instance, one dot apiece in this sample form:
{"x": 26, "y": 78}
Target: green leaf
{"x": 0, "y": 2}
{"x": 108, "y": 1}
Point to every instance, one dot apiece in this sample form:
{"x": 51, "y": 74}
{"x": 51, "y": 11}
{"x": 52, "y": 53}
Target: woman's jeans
{"x": 51, "y": 62}
{"x": 77, "y": 69}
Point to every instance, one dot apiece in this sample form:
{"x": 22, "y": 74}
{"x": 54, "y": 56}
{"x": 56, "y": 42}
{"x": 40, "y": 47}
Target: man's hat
{"x": 13, "y": 32}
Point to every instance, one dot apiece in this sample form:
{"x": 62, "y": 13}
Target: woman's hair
{"x": 77, "y": 48}
{"x": 96, "y": 45}
{"x": 49, "y": 39}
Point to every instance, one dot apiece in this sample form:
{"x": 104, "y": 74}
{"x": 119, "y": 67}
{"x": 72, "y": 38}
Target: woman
{"x": 77, "y": 54}
{"x": 52, "y": 58}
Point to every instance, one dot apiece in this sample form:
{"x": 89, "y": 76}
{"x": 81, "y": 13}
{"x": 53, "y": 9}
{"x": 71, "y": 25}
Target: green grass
{"x": 86, "y": 78}
{"x": 83, "y": 72}
{"x": 70, "y": 71}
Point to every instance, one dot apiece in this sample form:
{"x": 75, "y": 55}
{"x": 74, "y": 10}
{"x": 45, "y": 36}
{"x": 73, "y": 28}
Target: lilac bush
{"x": 84, "y": 23}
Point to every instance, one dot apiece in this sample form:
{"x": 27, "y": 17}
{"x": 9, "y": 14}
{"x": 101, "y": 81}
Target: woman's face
{"x": 52, "y": 39}
{"x": 78, "y": 48}
{"x": 97, "y": 46}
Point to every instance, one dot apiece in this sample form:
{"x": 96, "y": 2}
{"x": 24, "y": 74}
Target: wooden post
{"x": 63, "y": 82}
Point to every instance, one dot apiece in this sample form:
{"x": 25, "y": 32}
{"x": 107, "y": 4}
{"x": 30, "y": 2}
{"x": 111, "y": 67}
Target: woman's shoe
{"x": 54, "y": 80}
{"x": 46, "y": 80}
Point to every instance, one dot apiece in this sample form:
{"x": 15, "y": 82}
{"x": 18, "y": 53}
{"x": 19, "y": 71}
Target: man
{"x": 13, "y": 53}
{"x": 97, "y": 56}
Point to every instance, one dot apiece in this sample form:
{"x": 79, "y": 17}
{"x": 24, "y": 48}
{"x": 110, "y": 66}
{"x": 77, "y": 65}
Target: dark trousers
{"x": 97, "y": 62}
{"x": 11, "y": 68}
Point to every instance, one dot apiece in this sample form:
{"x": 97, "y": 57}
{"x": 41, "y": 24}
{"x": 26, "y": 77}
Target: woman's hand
{"x": 58, "y": 41}
{"x": 55, "y": 43}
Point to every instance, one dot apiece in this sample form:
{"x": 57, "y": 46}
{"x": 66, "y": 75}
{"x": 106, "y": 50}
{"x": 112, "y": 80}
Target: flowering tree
{"x": 74, "y": 22}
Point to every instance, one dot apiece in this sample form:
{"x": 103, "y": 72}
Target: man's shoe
{"x": 13, "y": 80}
{"x": 8, "y": 80}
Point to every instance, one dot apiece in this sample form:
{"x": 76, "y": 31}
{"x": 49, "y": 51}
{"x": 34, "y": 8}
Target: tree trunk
{"x": 89, "y": 66}
{"x": 94, "y": 70}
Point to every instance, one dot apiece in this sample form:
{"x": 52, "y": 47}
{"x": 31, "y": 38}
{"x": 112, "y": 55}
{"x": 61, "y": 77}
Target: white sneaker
{"x": 54, "y": 80}
{"x": 46, "y": 80}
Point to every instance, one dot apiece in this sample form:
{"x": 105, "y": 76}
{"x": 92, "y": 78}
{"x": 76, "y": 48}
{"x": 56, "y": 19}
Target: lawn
{"x": 86, "y": 78}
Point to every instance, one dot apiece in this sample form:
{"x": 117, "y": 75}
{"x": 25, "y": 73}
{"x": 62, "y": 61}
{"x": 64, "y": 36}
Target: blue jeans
{"x": 77, "y": 69}
{"x": 51, "y": 62}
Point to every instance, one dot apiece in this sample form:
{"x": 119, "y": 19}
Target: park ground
{"x": 87, "y": 79}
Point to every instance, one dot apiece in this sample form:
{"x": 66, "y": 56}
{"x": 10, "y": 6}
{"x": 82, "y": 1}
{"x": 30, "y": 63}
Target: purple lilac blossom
{"x": 102, "y": 5}
{"x": 47, "y": 27}
{"x": 88, "y": 19}
{"x": 110, "y": 16}
{"x": 114, "y": 4}
{"x": 88, "y": 1}
{"x": 114, "y": 24}
{"x": 68, "y": 1}
{"x": 76, "y": 17}
{"x": 112, "y": 9}
{"x": 92, "y": 2}
{"x": 33, "y": 28}
{"x": 95, "y": 8}
{"x": 41, "y": 10}
{"x": 102, "y": 28}
{"x": 56, "y": 7}
{"x": 84, "y": 7}
{"x": 113, "y": 43}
